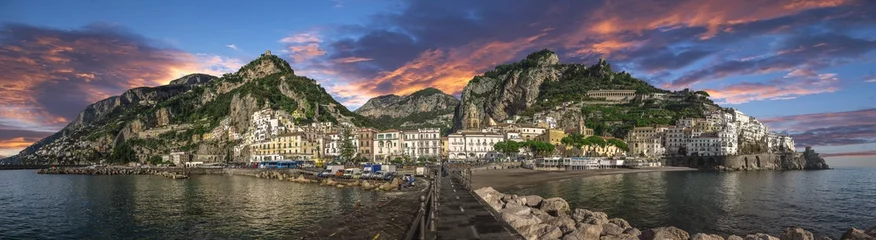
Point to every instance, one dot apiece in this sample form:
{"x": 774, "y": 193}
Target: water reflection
{"x": 827, "y": 202}
{"x": 150, "y": 207}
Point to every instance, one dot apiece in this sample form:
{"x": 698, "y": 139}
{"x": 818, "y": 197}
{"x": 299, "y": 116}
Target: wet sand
{"x": 518, "y": 178}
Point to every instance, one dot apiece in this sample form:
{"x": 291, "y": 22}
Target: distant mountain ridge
{"x": 428, "y": 107}
{"x": 539, "y": 86}
{"x": 147, "y": 121}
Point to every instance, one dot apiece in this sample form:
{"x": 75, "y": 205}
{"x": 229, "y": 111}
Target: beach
{"x": 519, "y": 178}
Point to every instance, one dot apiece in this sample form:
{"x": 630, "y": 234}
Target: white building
{"x": 471, "y": 146}
{"x": 424, "y": 142}
{"x": 780, "y": 143}
{"x": 647, "y": 141}
{"x": 387, "y": 144}
{"x": 264, "y": 125}
{"x": 334, "y": 144}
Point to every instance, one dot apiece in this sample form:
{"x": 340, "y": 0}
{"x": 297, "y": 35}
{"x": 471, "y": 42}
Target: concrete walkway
{"x": 461, "y": 216}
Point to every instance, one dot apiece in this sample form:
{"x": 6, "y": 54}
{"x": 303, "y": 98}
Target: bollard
{"x": 423, "y": 218}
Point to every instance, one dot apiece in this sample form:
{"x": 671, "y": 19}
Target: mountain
{"x": 429, "y": 107}
{"x": 539, "y": 86}
{"x": 197, "y": 113}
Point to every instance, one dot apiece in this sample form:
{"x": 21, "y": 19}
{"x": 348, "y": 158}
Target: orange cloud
{"x": 448, "y": 70}
{"x": 352, "y": 59}
{"x": 50, "y": 75}
{"x": 16, "y": 143}
{"x": 715, "y": 16}
{"x": 775, "y": 90}
{"x": 870, "y": 153}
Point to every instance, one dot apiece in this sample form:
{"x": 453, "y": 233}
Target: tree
{"x": 507, "y": 147}
{"x": 122, "y": 154}
{"x": 155, "y": 160}
{"x": 348, "y": 150}
{"x": 576, "y": 140}
{"x": 539, "y": 148}
{"x": 619, "y": 144}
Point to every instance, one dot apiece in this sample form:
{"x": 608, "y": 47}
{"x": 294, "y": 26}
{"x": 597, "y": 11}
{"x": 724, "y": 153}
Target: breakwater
{"x": 291, "y": 176}
{"x": 537, "y": 218}
{"x": 172, "y": 174}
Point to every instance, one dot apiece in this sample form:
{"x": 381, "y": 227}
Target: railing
{"x": 426, "y": 215}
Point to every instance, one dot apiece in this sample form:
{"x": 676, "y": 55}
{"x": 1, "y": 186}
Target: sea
{"x": 36, "y": 206}
{"x": 825, "y": 202}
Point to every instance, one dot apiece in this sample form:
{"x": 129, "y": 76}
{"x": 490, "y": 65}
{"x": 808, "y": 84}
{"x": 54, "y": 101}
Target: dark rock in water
{"x": 797, "y": 234}
{"x": 856, "y": 234}
{"x": 664, "y": 233}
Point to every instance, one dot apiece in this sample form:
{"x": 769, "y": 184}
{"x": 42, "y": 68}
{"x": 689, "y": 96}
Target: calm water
{"x": 36, "y": 206}
{"x": 824, "y": 202}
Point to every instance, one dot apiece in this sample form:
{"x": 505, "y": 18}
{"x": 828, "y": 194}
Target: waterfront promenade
{"x": 462, "y": 216}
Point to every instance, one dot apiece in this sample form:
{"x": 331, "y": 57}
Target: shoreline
{"x": 505, "y": 180}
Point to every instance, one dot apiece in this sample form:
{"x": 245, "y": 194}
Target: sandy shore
{"x": 513, "y": 179}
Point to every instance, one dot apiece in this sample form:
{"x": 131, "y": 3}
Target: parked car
{"x": 325, "y": 174}
{"x": 376, "y": 176}
{"x": 366, "y": 175}
{"x": 389, "y": 176}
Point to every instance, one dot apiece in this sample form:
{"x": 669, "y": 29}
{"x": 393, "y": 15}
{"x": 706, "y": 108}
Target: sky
{"x": 803, "y": 67}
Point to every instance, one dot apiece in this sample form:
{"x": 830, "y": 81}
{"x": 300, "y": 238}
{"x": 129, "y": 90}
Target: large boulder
{"x": 609, "y": 229}
{"x": 533, "y": 200}
{"x": 543, "y": 215}
{"x": 664, "y": 233}
{"x": 491, "y": 196}
{"x": 796, "y": 234}
{"x": 554, "y": 205}
{"x": 518, "y": 221}
{"x": 856, "y": 234}
{"x": 589, "y": 217}
{"x": 585, "y": 232}
{"x": 703, "y": 236}
{"x": 759, "y": 236}
{"x": 517, "y": 210}
{"x": 734, "y": 237}
{"x": 871, "y": 231}
{"x": 540, "y": 231}
{"x": 633, "y": 232}
{"x": 565, "y": 223}
{"x": 620, "y": 223}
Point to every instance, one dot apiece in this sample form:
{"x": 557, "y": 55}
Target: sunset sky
{"x": 805, "y": 67}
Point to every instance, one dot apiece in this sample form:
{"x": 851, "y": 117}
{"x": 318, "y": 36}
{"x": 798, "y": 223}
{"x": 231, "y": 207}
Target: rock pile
{"x": 365, "y": 184}
{"x": 112, "y": 171}
{"x": 537, "y": 218}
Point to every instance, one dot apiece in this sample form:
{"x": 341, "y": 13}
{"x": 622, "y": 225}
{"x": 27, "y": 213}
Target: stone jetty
{"x": 377, "y": 185}
{"x": 113, "y": 171}
{"x": 537, "y": 218}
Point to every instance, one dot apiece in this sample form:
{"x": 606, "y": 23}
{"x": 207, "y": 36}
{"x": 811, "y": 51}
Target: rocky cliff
{"x": 429, "y": 107}
{"x": 197, "y": 113}
{"x": 806, "y": 160}
{"x": 540, "y": 86}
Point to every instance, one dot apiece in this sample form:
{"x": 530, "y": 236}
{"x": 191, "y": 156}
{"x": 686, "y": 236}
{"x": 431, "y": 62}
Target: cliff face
{"x": 429, "y": 107}
{"x": 504, "y": 93}
{"x": 539, "y": 86}
{"x": 806, "y": 160}
{"x": 197, "y": 113}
